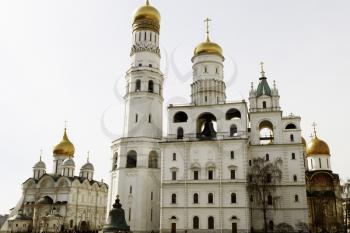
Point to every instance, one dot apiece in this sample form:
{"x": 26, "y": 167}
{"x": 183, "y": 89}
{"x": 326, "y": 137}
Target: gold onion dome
{"x": 317, "y": 147}
{"x": 208, "y": 47}
{"x": 65, "y": 147}
{"x": 146, "y": 17}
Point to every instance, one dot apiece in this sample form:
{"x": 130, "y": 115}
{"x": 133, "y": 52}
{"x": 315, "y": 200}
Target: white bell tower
{"x": 135, "y": 174}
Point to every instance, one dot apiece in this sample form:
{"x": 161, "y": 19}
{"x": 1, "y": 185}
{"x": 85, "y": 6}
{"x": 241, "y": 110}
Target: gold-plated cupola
{"x": 146, "y": 18}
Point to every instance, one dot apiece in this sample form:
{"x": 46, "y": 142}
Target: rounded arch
{"x": 233, "y": 198}
{"x": 138, "y": 85}
{"x": 195, "y": 198}
{"x": 233, "y": 130}
{"x": 195, "y": 222}
{"x": 180, "y": 133}
{"x": 46, "y": 182}
{"x": 210, "y": 222}
{"x": 291, "y": 126}
{"x": 173, "y": 198}
{"x": 115, "y": 161}
{"x": 210, "y": 198}
{"x": 233, "y": 114}
{"x": 63, "y": 182}
{"x": 131, "y": 159}
{"x": 206, "y": 126}
{"x": 153, "y": 159}
{"x": 180, "y": 117}
{"x": 266, "y": 132}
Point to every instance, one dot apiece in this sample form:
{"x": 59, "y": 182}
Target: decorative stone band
{"x": 145, "y": 47}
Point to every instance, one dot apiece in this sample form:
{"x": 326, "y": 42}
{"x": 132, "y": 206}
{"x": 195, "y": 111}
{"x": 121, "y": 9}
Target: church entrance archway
{"x": 84, "y": 226}
{"x": 173, "y": 227}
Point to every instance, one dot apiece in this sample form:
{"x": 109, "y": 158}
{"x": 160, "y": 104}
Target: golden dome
{"x": 146, "y": 18}
{"x": 317, "y": 147}
{"x": 65, "y": 147}
{"x": 208, "y": 47}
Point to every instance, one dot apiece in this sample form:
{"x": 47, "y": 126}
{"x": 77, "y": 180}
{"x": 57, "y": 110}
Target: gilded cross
{"x": 88, "y": 156}
{"x": 314, "y": 126}
{"x": 206, "y": 21}
{"x": 41, "y": 153}
{"x": 65, "y": 124}
{"x": 262, "y": 69}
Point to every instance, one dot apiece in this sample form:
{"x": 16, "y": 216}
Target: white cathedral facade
{"x": 60, "y": 201}
{"x": 194, "y": 179}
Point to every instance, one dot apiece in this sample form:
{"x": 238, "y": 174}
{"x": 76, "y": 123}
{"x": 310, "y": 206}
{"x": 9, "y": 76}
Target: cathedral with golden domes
{"x": 196, "y": 177}
{"x": 60, "y": 201}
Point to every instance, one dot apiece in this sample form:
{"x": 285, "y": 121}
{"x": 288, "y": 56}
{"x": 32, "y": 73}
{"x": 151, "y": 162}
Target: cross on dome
{"x": 262, "y": 69}
{"x": 206, "y": 21}
{"x": 314, "y": 125}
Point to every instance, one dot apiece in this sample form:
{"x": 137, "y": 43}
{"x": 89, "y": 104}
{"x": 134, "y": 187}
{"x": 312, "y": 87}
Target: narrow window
{"x": 195, "y": 175}
{"x": 250, "y": 178}
{"x": 271, "y": 225}
{"x": 145, "y": 36}
{"x": 173, "y": 175}
{"x": 210, "y": 198}
{"x": 264, "y": 104}
{"x": 295, "y": 178}
{"x": 205, "y": 69}
{"x": 232, "y": 154}
{"x": 210, "y": 222}
{"x": 151, "y": 196}
{"x": 292, "y": 138}
{"x": 210, "y": 174}
{"x": 138, "y": 85}
{"x": 267, "y": 157}
{"x": 149, "y": 118}
{"x": 269, "y": 200}
{"x": 180, "y": 133}
{"x": 129, "y": 214}
{"x": 195, "y": 198}
{"x": 217, "y": 70}
{"x": 140, "y": 36}
{"x": 150, "y": 37}
{"x": 150, "y": 85}
{"x": 293, "y": 155}
{"x": 296, "y": 198}
{"x": 195, "y": 222}
{"x": 251, "y": 198}
{"x": 250, "y": 163}
{"x": 319, "y": 160}
{"x": 233, "y": 174}
{"x": 312, "y": 164}
{"x": 173, "y": 198}
{"x": 327, "y": 163}
{"x": 174, "y": 156}
{"x": 151, "y": 215}
{"x": 205, "y": 99}
{"x": 268, "y": 178}
{"x": 136, "y": 118}
{"x": 130, "y": 189}
{"x": 233, "y": 198}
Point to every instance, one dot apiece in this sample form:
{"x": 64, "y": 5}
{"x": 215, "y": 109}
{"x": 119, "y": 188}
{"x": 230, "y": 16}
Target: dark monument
{"x": 116, "y": 219}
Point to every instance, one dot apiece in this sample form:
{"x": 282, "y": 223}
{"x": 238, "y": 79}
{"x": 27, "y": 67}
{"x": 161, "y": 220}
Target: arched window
{"x": 153, "y": 160}
{"x": 149, "y": 118}
{"x": 233, "y": 198}
{"x": 136, "y": 118}
{"x": 131, "y": 160}
{"x": 267, "y": 157}
{"x": 71, "y": 223}
{"x": 292, "y": 138}
{"x": 232, "y": 154}
{"x": 180, "y": 117}
{"x": 180, "y": 133}
{"x": 115, "y": 161}
{"x": 150, "y": 86}
{"x": 173, "y": 198}
{"x": 291, "y": 126}
{"x": 233, "y": 114}
{"x": 269, "y": 200}
{"x": 138, "y": 85}
{"x": 233, "y": 130}
{"x": 205, "y": 69}
{"x": 195, "y": 198}
{"x": 264, "y": 104}
{"x": 266, "y": 132}
{"x": 293, "y": 155}
{"x": 195, "y": 222}
{"x": 211, "y": 222}
{"x": 210, "y": 198}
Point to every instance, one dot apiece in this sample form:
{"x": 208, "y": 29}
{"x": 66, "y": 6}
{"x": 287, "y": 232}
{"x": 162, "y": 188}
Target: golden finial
{"x": 147, "y": 2}
{"x": 41, "y": 153}
{"x": 314, "y": 126}
{"x": 206, "y": 21}
{"x": 262, "y": 69}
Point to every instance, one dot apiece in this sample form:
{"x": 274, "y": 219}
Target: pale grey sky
{"x": 66, "y": 60}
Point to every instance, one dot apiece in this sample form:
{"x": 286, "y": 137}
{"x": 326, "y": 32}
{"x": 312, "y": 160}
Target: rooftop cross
{"x": 206, "y": 21}
{"x": 314, "y": 126}
{"x": 262, "y": 69}
{"x": 65, "y": 124}
{"x": 41, "y": 153}
{"x": 88, "y": 156}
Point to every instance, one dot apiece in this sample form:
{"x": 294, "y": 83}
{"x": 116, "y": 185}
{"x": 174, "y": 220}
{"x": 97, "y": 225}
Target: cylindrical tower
{"x": 144, "y": 80}
{"x": 208, "y": 85}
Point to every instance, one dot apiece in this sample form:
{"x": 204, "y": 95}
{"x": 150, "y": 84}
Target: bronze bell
{"x": 208, "y": 131}
{"x": 116, "y": 219}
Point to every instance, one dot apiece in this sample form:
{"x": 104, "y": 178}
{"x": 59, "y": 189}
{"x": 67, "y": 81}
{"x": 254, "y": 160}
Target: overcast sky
{"x": 65, "y": 60}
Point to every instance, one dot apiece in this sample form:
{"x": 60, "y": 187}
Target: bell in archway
{"x": 116, "y": 219}
{"x": 208, "y": 131}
